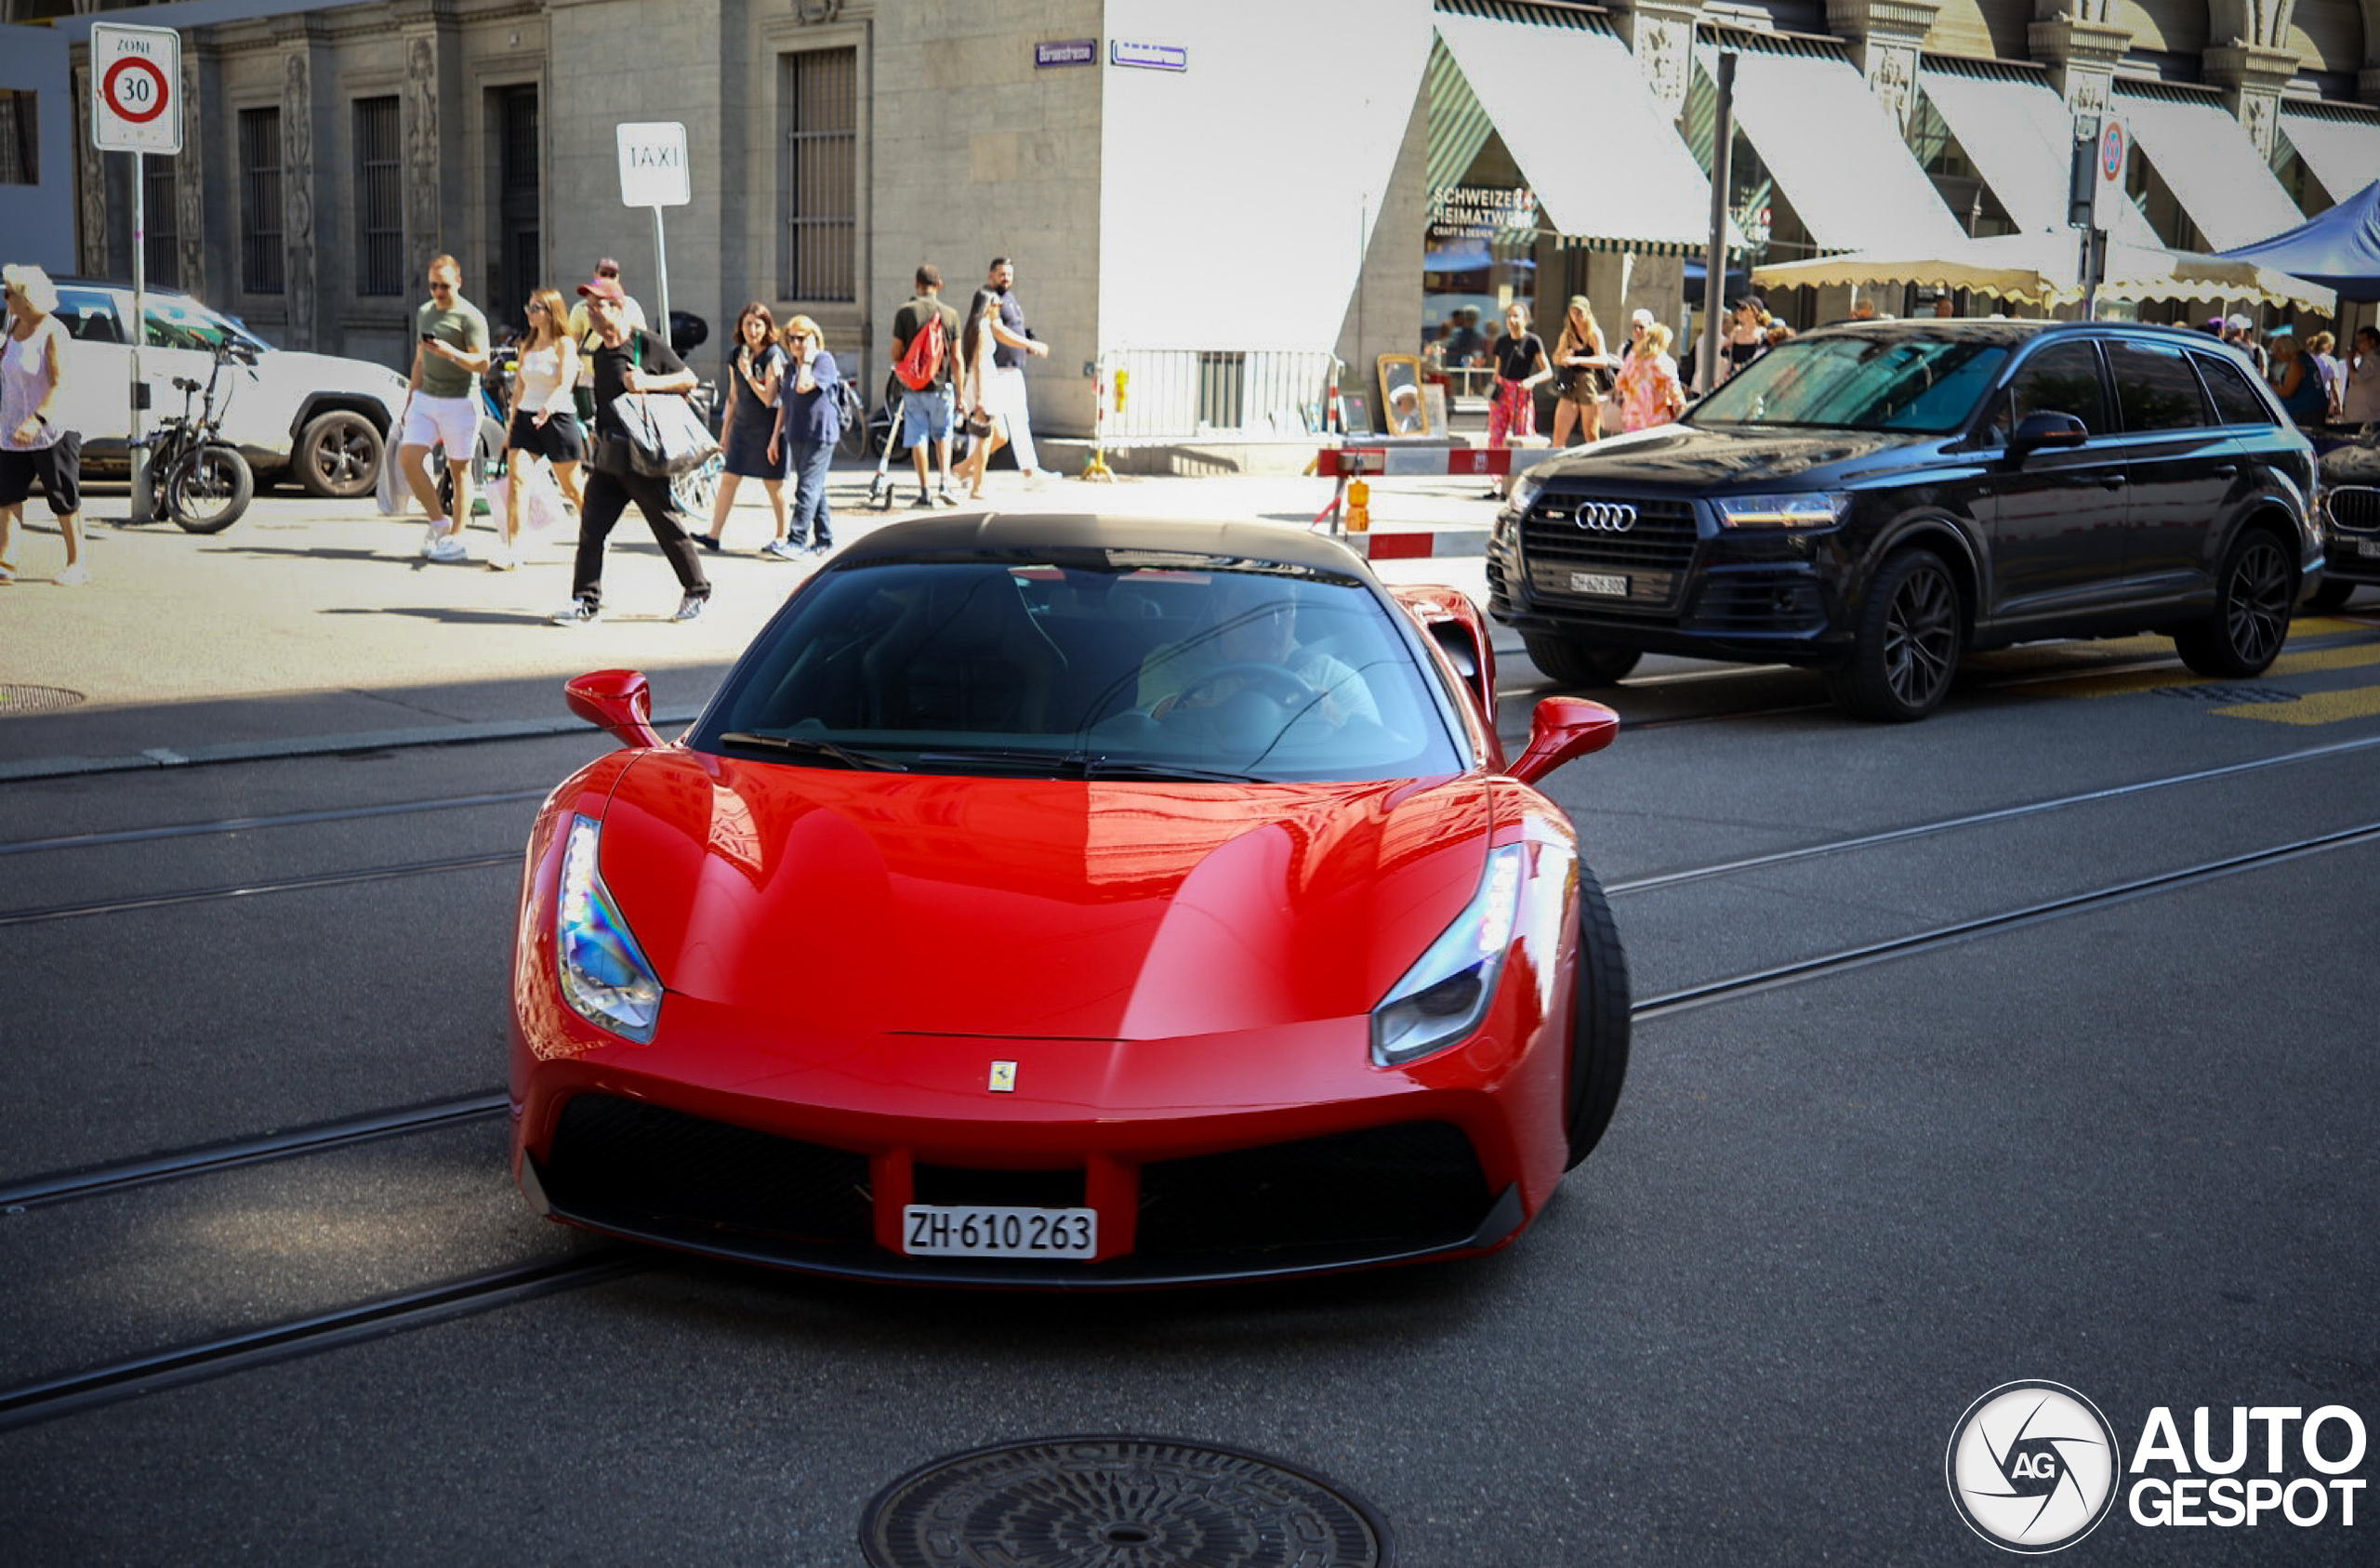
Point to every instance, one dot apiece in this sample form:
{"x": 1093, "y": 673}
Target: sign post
{"x": 2102, "y": 151}
{"x": 653, "y": 174}
{"x": 137, "y": 107}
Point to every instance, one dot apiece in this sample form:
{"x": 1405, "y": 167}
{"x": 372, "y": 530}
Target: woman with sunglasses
{"x": 541, "y": 424}
{"x": 809, "y": 420}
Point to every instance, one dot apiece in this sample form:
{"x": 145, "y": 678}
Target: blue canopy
{"x": 2339, "y": 250}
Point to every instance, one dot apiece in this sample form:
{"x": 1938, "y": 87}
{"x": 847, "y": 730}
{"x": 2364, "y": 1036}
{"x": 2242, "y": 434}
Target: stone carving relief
{"x": 190, "y": 185}
{"x": 1662, "y": 55}
{"x": 1892, "y": 76}
{"x": 298, "y": 195}
{"x": 421, "y": 134}
{"x": 2257, "y": 114}
{"x": 2090, "y": 93}
{"x": 817, "y": 10}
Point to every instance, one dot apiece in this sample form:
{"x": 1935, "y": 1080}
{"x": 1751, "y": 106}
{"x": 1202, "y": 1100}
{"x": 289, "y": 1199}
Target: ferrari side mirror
{"x": 1561, "y": 730}
{"x": 621, "y": 701}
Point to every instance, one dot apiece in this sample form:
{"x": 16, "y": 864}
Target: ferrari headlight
{"x": 604, "y": 977}
{"x": 1812, "y": 509}
{"x": 1445, "y": 994}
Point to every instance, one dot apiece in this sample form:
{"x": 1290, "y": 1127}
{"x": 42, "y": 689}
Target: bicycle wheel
{"x": 693, "y": 493}
{"x": 854, "y": 441}
{"x": 207, "y": 490}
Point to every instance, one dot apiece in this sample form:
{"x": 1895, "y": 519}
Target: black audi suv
{"x": 1872, "y": 499}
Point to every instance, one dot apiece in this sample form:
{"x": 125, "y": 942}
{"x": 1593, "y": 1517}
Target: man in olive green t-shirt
{"x": 450, "y": 353}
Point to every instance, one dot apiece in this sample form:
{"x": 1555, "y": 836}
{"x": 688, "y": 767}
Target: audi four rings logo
{"x": 1605, "y": 517}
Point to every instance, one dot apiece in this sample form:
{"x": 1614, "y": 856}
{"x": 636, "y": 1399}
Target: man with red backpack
{"x": 925, "y": 341}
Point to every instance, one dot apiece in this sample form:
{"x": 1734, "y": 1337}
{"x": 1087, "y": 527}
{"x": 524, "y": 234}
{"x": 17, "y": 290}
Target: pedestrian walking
{"x": 2240, "y": 332}
{"x": 2296, "y": 379}
{"x": 1650, "y": 391}
{"x": 809, "y": 420}
{"x": 755, "y": 381}
{"x": 2361, "y": 404}
{"x": 541, "y": 425}
{"x": 1521, "y": 366}
{"x": 925, "y": 347}
{"x": 442, "y": 406}
{"x": 1747, "y": 334}
{"x": 628, "y": 360}
{"x": 582, "y": 332}
{"x": 1016, "y": 345}
{"x": 33, "y": 445}
{"x": 2330, "y": 369}
{"x": 978, "y": 341}
{"x": 1581, "y": 370}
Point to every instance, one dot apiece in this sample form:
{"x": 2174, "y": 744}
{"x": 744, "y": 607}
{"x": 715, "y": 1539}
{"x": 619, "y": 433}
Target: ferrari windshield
{"x": 1921, "y": 385}
{"x": 1090, "y": 664}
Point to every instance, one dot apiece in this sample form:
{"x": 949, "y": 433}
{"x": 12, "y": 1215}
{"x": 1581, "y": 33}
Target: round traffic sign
{"x": 134, "y": 90}
{"x": 2111, "y": 151}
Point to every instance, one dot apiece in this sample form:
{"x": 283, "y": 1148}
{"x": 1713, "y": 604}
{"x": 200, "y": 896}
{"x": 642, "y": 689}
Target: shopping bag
{"x": 539, "y": 498}
{"x": 395, "y": 495}
{"x": 499, "y": 502}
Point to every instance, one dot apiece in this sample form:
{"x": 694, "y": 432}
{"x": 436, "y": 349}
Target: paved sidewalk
{"x": 326, "y": 609}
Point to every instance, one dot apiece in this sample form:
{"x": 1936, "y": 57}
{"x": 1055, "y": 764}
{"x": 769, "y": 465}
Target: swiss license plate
{"x": 1597, "y": 582}
{"x": 2367, "y": 547}
{"x": 940, "y": 1230}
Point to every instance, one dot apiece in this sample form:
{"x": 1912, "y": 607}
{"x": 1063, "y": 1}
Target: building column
{"x": 2251, "y": 79}
{"x": 2081, "y": 50}
{"x": 429, "y": 109}
{"x": 301, "y": 294}
{"x": 1885, "y": 37}
{"x": 189, "y": 183}
{"x": 1660, "y": 34}
{"x": 91, "y": 239}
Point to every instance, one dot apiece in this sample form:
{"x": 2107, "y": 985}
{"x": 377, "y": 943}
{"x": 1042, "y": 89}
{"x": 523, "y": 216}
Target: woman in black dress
{"x": 754, "y": 377}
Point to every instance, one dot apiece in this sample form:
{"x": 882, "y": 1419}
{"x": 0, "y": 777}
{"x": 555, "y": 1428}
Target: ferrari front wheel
{"x": 1598, "y": 1022}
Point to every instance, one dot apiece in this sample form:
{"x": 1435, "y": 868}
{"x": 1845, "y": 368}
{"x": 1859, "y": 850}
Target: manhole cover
{"x": 2228, "y": 693}
{"x": 35, "y": 699}
{"x": 1117, "y": 1502}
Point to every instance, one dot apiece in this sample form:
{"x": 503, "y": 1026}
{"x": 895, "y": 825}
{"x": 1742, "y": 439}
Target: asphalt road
{"x": 2064, "y": 1071}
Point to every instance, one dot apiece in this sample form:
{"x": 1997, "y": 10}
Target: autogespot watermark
{"x": 2034, "y": 1467}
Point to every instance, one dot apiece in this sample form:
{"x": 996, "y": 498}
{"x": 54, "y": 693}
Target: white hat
{"x": 1641, "y": 317}
{"x": 2238, "y": 324}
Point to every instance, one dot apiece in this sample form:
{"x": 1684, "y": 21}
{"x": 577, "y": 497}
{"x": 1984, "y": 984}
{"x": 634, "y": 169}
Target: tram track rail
{"x": 131, "y": 1377}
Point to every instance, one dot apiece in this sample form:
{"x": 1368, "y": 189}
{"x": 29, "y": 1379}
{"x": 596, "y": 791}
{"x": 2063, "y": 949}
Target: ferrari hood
{"x": 870, "y": 903}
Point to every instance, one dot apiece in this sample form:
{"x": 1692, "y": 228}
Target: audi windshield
{"x": 1915, "y": 384}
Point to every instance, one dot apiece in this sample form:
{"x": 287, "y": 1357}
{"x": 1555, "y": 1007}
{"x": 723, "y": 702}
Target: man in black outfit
{"x": 626, "y": 360}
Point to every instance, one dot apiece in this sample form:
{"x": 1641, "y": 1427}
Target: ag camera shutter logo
{"x": 2033, "y": 1467}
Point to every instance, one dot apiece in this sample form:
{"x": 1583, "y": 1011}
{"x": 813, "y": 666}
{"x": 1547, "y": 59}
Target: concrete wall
{"x": 39, "y": 219}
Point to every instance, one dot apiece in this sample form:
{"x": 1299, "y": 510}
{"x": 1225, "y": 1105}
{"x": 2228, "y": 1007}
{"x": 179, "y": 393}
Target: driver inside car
{"x": 1253, "y": 622}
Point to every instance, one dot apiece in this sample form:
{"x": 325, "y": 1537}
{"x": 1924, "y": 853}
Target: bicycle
{"x": 199, "y": 480}
{"x": 856, "y": 439}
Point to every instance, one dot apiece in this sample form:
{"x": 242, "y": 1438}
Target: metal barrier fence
{"x": 1172, "y": 393}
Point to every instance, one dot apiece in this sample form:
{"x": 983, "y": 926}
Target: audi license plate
{"x": 2367, "y": 547}
{"x": 1597, "y": 582}
{"x": 935, "y": 1231}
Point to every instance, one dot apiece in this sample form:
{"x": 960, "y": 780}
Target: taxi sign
{"x": 136, "y": 88}
{"x": 652, "y": 164}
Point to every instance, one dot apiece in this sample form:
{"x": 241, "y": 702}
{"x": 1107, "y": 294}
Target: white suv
{"x": 315, "y": 418}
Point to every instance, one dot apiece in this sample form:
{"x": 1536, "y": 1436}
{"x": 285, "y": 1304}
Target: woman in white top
{"x": 541, "y": 424}
{"x": 975, "y": 344}
{"x": 33, "y": 372}
{"x": 2361, "y": 404}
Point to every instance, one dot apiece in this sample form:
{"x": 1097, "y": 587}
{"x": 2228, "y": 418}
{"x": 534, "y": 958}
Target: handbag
{"x": 665, "y": 437}
{"x": 391, "y": 492}
{"x": 1608, "y": 419}
{"x": 977, "y": 424}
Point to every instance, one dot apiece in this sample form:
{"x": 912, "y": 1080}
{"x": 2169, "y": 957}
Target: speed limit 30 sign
{"x": 136, "y": 88}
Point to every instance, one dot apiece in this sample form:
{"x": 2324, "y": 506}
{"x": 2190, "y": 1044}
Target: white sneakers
{"x": 500, "y": 558}
{"x": 438, "y": 544}
{"x": 74, "y": 576}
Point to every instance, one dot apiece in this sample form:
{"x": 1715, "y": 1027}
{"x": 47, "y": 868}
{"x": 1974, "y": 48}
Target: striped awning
{"x": 1459, "y": 127}
{"x": 2343, "y": 153}
{"x": 2204, "y": 156}
{"x": 1650, "y": 197}
{"x": 2019, "y": 135}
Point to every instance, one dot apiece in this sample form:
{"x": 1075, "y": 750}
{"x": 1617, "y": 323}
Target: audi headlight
{"x": 1445, "y": 992}
{"x": 604, "y": 977}
{"x": 1809, "y": 509}
{"x": 1526, "y": 490}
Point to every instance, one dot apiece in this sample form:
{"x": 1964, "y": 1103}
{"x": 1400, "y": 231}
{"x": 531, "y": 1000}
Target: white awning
{"x": 1604, "y": 160}
{"x": 2020, "y": 138}
{"x": 1836, "y": 154}
{"x": 2344, "y": 155}
{"x": 2205, "y": 158}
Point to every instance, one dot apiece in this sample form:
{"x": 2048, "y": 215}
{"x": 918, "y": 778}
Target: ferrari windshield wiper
{"x": 807, "y": 746}
{"x": 1106, "y": 768}
{"x": 1084, "y": 765}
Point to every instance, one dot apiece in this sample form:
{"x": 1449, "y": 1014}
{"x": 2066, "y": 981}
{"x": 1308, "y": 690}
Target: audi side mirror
{"x": 1562, "y": 730}
{"x": 616, "y": 700}
{"x": 2046, "y": 429}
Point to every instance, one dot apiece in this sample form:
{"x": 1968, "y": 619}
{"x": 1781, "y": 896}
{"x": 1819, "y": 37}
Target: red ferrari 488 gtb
{"x": 1070, "y": 902}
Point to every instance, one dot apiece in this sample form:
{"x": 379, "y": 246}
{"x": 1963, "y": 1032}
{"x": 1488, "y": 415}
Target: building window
{"x": 19, "y": 136}
{"x": 261, "y": 200}
{"x": 513, "y": 271}
{"x": 379, "y": 198}
{"x": 161, "y": 246}
{"x": 820, "y": 187}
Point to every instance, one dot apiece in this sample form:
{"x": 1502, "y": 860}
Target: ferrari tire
{"x": 2334, "y": 593}
{"x": 1906, "y": 646}
{"x": 338, "y": 456}
{"x": 1579, "y": 664}
{"x": 2253, "y": 594}
{"x": 1599, "y": 1023}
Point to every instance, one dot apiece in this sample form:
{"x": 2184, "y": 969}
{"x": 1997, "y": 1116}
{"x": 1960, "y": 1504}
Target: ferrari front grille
{"x": 1411, "y": 1186}
{"x": 642, "y": 1167}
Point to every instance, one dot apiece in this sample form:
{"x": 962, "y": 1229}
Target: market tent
{"x": 2339, "y": 250}
{"x": 2044, "y": 268}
